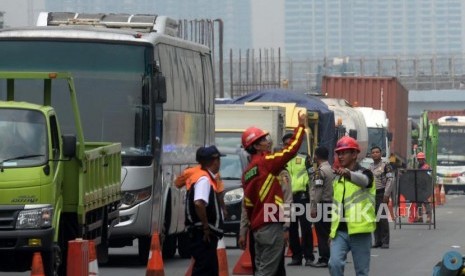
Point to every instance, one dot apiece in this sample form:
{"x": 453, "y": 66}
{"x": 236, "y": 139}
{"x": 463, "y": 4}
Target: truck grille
{"x": 8, "y": 215}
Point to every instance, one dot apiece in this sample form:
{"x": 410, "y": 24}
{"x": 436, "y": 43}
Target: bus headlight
{"x": 33, "y": 217}
{"x": 234, "y": 196}
{"x": 131, "y": 198}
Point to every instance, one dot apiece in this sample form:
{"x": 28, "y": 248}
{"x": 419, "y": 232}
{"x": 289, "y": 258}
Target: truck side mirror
{"x": 69, "y": 146}
{"x": 159, "y": 88}
{"x": 353, "y": 133}
{"x": 389, "y": 136}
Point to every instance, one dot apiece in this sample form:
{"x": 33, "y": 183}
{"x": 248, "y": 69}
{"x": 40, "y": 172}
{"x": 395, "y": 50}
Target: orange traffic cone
{"x": 93, "y": 263}
{"x": 315, "y": 237}
{"x": 190, "y": 268}
{"x": 443, "y": 195}
{"x": 222, "y": 258}
{"x": 244, "y": 264}
{"x": 37, "y": 268}
{"x": 437, "y": 195}
{"x": 402, "y": 212}
{"x": 155, "y": 263}
{"x": 412, "y": 216}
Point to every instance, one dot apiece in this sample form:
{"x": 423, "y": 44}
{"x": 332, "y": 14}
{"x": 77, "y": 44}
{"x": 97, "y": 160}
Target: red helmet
{"x": 251, "y": 135}
{"x": 420, "y": 155}
{"x": 347, "y": 142}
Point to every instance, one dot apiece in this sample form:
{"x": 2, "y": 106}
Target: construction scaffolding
{"x": 255, "y": 69}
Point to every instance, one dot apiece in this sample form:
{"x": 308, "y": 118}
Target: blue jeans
{"x": 358, "y": 244}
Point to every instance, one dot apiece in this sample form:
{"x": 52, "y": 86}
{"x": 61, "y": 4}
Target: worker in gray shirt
{"x": 383, "y": 175}
{"x": 321, "y": 196}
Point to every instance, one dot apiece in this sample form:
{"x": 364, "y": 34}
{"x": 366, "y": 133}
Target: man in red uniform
{"x": 263, "y": 196}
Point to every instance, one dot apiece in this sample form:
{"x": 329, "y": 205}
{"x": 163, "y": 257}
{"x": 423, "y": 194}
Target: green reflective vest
{"x": 298, "y": 173}
{"x": 359, "y": 207}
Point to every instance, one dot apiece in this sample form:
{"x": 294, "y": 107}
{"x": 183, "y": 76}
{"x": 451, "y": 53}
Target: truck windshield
{"x": 376, "y": 137}
{"x": 231, "y": 167}
{"x": 109, "y": 78}
{"x": 450, "y": 137}
{"x": 23, "y": 140}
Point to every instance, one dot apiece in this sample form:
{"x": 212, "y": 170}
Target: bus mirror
{"x": 69, "y": 146}
{"x": 353, "y": 133}
{"x": 389, "y": 136}
{"x": 159, "y": 88}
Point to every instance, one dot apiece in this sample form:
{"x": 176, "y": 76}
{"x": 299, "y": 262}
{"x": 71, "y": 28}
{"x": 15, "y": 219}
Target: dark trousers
{"x": 323, "y": 228}
{"x": 305, "y": 248}
{"x": 204, "y": 254}
{"x": 281, "y": 270}
{"x": 382, "y": 225}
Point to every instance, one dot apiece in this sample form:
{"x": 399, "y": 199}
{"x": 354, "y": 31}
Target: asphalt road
{"x": 414, "y": 250}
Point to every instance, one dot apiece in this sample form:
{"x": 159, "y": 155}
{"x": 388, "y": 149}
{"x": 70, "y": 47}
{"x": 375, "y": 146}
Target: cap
{"x": 207, "y": 153}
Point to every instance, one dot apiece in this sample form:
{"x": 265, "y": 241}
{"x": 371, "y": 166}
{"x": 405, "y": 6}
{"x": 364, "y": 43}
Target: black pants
{"x": 204, "y": 254}
{"x": 382, "y": 225}
{"x": 305, "y": 248}
{"x": 323, "y": 228}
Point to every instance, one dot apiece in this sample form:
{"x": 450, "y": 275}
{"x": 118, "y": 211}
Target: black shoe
{"x": 385, "y": 246}
{"x": 319, "y": 264}
{"x": 309, "y": 262}
{"x": 295, "y": 263}
{"x": 376, "y": 245}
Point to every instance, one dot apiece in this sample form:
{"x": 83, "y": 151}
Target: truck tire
{"x": 143, "y": 249}
{"x": 52, "y": 260}
{"x": 183, "y": 246}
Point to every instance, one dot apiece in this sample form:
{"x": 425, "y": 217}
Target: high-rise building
{"x": 315, "y": 28}
{"x": 1, "y": 19}
{"x": 236, "y": 14}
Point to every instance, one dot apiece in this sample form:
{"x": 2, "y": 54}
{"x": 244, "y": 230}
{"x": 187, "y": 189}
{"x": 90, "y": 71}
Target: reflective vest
{"x": 191, "y": 174}
{"x": 298, "y": 173}
{"x": 355, "y": 204}
{"x": 214, "y": 212}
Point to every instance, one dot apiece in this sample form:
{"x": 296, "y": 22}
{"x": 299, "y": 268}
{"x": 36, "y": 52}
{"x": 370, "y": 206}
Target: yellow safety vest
{"x": 298, "y": 173}
{"x": 359, "y": 207}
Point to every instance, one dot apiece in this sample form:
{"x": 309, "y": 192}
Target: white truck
{"x": 349, "y": 121}
{"x": 377, "y": 124}
{"x": 232, "y": 119}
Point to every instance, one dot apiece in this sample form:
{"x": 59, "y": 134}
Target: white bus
{"x": 138, "y": 84}
{"x": 451, "y": 153}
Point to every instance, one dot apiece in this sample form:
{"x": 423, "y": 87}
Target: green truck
{"x": 53, "y": 187}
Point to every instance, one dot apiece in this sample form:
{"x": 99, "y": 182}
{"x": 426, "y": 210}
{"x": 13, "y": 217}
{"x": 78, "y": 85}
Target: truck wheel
{"x": 144, "y": 249}
{"x": 183, "y": 246}
{"x": 169, "y": 247}
{"x": 52, "y": 260}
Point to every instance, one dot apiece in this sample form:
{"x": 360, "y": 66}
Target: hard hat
{"x": 347, "y": 142}
{"x": 420, "y": 155}
{"x": 251, "y": 135}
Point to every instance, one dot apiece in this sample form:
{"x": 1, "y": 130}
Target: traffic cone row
{"x": 222, "y": 260}
{"x": 155, "y": 263}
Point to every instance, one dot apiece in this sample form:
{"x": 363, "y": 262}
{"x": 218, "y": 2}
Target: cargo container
{"x": 436, "y": 114}
{"x": 384, "y": 93}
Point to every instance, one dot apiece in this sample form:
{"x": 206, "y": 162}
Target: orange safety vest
{"x": 190, "y": 176}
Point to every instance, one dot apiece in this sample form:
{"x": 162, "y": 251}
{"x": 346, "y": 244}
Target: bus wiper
{"x": 17, "y": 158}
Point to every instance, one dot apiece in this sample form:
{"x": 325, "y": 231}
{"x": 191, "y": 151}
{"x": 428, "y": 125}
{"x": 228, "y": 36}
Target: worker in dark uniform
{"x": 300, "y": 247}
{"x": 383, "y": 175}
{"x": 204, "y": 219}
{"x": 321, "y": 198}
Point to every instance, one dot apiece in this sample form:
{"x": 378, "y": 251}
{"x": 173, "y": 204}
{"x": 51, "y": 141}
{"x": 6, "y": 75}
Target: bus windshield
{"x": 450, "y": 140}
{"x": 109, "y": 79}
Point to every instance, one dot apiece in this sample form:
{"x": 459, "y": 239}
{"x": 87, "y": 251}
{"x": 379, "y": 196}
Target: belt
{"x": 298, "y": 192}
